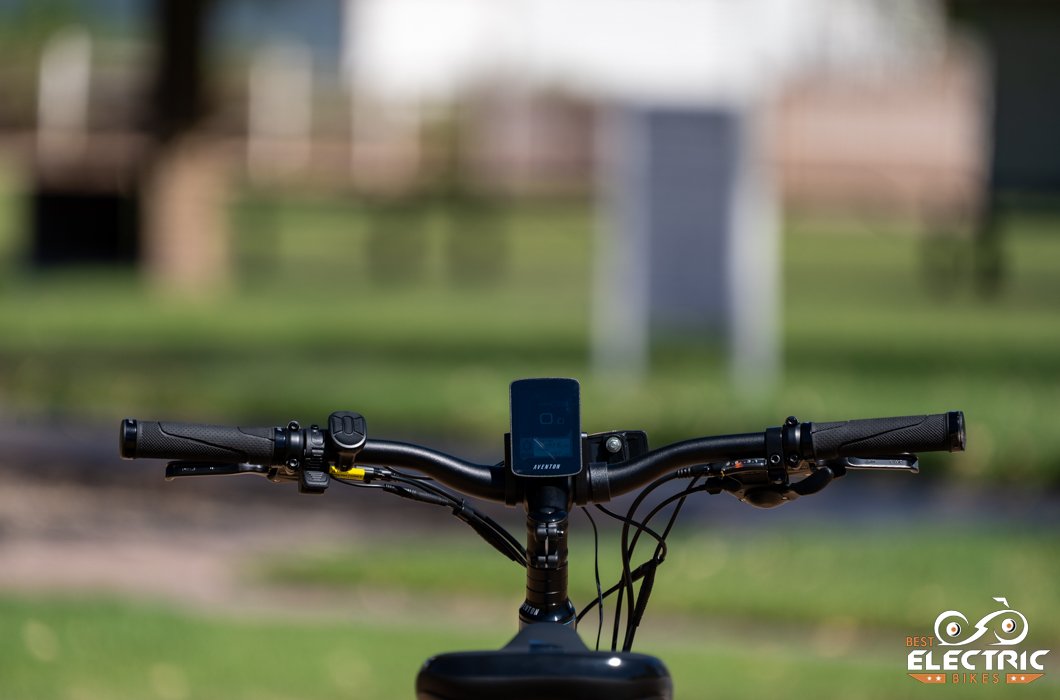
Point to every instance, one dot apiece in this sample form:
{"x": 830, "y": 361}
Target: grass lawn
{"x": 327, "y": 313}
{"x": 896, "y": 580}
{"x": 811, "y": 595}
{"x": 90, "y": 650}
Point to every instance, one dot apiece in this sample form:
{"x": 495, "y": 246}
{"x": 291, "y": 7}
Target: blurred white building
{"x": 689, "y": 234}
{"x": 659, "y": 50}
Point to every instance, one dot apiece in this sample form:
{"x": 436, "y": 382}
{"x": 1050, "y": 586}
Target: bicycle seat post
{"x": 548, "y": 503}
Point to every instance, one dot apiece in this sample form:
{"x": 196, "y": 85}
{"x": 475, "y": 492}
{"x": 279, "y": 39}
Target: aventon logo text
{"x": 976, "y": 666}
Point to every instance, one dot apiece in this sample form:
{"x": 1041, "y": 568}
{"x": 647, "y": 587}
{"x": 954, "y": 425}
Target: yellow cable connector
{"x": 354, "y": 474}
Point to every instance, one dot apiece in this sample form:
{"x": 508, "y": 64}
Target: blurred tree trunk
{"x": 185, "y": 234}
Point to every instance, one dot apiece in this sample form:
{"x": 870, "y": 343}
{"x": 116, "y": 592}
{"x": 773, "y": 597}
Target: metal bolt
{"x": 774, "y": 459}
{"x": 293, "y": 425}
{"x": 793, "y": 459}
{"x": 613, "y": 444}
{"x": 792, "y": 420}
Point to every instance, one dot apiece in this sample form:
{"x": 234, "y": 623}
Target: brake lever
{"x": 907, "y": 462}
{"x": 181, "y": 469}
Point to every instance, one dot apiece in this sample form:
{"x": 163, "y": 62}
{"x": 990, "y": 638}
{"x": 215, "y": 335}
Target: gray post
{"x": 755, "y": 319}
{"x": 688, "y": 243}
{"x": 620, "y": 317}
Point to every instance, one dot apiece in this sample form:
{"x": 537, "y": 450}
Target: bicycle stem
{"x": 548, "y": 503}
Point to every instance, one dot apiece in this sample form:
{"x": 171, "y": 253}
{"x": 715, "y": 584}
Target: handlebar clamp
{"x": 776, "y": 468}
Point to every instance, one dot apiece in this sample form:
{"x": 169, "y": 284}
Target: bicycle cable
{"x": 625, "y": 590}
{"x": 356, "y": 484}
{"x": 596, "y": 566}
{"x": 641, "y": 606}
{"x": 638, "y": 573}
{"x": 626, "y": 578}
{"x": 627, "y": 559}
{"x": 416, "y": 477}
{"x": 515, "y": 550}
{"x": 488, "y": 529}
{"x": 461, "y": 506}
{"x": 641, "y": 570}
{"x": 649, "y": 578}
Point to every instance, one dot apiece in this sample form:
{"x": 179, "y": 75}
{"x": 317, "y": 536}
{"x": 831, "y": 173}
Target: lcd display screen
{"x": 546, "y": 427}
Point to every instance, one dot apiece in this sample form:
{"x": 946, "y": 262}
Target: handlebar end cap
{"x": 956, "y": 431}
{"x": 127, "y": 438}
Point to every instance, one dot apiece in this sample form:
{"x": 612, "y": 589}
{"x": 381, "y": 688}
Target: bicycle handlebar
{"x": 753, "y": 467}
{"x": 475, "y": 480}
{"x": 627, "y": 476}
{"x": 810, "y": 441}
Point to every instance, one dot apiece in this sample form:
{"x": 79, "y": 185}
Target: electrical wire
{"x": 626, "y": 593}
{"x": 626, "y": 578}
{"x": 706, "y": 486}
{"x": 417, "y": 477}
{"x": 637, "y": 574}
{"x": 515, "y": 550}
{"x": 646, "y": 588}
{"x": 596, "y": 566}
{"x": 642, "y": 604}
{"x": 356, "y": 484}
{"x": 684, "y": 493}
{"x": 635, "y": 606}
{"x": 624, "y": 587}
{"x": 458, "y": 503}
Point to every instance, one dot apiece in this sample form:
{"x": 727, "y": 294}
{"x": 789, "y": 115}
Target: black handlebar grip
{"x": 196, "y": 441}
{"x": 877, "y": 437}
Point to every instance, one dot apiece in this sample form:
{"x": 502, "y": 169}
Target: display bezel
{"x": 518, "y": 401}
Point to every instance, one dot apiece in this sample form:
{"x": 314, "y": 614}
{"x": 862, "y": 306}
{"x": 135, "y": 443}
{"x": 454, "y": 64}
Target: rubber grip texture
{"x": 204, "y": 443}
{"x": 877, "y": 437}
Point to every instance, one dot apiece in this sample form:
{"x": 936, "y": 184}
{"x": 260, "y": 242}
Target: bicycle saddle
{"x": 544, "y": 660}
